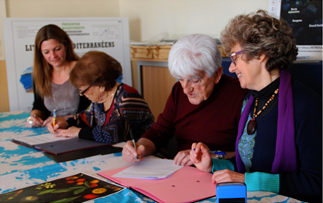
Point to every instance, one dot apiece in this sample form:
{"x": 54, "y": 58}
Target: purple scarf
{"x": 285, "y": 155}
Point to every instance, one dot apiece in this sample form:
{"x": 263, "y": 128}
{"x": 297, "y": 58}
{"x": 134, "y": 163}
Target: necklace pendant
{"x": 251, "y": 127}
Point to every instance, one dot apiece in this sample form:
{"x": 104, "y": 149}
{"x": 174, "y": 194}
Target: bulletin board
{"x": 110, "y": 35}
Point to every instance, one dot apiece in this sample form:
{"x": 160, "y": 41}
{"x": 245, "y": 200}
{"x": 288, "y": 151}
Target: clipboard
{"x": 188, "y": 184}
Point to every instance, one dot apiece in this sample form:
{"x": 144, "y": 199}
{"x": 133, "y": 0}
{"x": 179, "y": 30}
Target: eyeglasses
{"x": 234, "y": 56}
{"x": 193, "y": 80}
{"x": 86, "y": 89}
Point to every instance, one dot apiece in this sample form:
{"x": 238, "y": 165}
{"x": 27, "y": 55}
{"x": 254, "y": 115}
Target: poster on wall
{"x": 110, "y": 35}
{"x": 305, "y": 17}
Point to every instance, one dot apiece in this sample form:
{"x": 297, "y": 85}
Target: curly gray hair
{"x": 258, "y": 33}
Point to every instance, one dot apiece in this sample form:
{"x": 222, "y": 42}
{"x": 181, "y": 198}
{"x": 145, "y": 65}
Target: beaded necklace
{"x": 251, "y": 127}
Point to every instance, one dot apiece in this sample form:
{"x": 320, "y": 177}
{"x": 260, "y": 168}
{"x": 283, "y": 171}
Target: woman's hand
{"x": 144, "y": 147}
{"x": 182, "y": 158}
{"x": 60, "y": 123}
{"x": 200, "y": 157}
{"x": 130, "y": 154}
{"x": 34, "y": 121}
{"x": 68, "y": 133}
{"x": 227, "y": 175}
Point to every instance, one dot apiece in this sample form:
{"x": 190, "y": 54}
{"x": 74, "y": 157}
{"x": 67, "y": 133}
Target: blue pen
{"x": 219, "y": 154}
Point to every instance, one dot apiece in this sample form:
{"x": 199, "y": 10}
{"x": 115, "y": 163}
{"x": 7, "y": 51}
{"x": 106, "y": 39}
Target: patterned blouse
{"x": 129, "y": 113}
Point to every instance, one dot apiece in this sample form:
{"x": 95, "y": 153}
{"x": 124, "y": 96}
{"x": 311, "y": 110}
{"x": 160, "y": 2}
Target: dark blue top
{"x": 305, "y": 183}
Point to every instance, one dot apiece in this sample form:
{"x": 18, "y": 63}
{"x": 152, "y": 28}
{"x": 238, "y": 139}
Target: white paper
{"x": 149, "y": 168}
{"x": 40, "y": 139}
{"x": 120, "y": 144}
{"x": 274, "y": 8}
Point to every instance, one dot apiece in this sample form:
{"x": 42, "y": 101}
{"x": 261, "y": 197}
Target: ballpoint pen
{"x": 133, "y": 142}
{"x": 219, "y": 154}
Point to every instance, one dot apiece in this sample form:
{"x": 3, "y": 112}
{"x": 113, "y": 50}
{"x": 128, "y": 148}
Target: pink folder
{"x": 188, "y": 184}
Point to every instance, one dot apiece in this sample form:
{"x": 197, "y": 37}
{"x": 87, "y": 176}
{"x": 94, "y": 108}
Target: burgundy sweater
{"x": 213, "y": 122}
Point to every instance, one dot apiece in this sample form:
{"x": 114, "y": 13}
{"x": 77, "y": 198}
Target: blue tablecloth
{"x": 22, "y": 167}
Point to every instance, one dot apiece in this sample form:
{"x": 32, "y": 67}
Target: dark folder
{"x": 73, "y": 148}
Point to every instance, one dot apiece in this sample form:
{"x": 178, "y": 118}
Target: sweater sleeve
{"x": 86, "y": 130}
{"x": 220, "y": 164}
{"x": 86, "y": 133}
{"x": 39, "y": 104}
{"x": 259, "y": 181}
{"x": 256, "y": 181}
{"x": 162, "y": 130}
{"x": 306, "y": 183}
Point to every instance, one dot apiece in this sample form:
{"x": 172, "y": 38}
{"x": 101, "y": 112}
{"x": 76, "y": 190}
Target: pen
{"x": 219, "y": 154}
{"x": 133, "y": 142}
{"x": 54, "y": 118}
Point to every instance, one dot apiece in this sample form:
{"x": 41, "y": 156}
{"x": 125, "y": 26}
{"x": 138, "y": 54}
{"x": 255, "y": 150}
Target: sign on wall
{"x": 305, "y": 17}
{"x": 110, "y": 35}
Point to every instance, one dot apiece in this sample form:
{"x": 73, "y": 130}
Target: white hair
{"x": 194, "y": 53}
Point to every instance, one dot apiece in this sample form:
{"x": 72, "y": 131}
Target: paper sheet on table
{"x": 40, "y": 139}
{"x": 149, "y": 168}
{"x": 119, "y": 144}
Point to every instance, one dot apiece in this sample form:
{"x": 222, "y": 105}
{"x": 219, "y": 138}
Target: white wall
{"x": 148, "y": 19}
{"x": 2, "y": 15}
{"x": 156, "y": 19}
{"x": 62, "y": 8}
{"x": 55, "y": 8}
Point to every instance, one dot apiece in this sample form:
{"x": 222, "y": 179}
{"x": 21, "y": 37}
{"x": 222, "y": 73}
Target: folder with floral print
{"x": 75, "y": 188}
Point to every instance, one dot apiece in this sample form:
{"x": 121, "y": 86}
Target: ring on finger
{"x": 30, "y": 121}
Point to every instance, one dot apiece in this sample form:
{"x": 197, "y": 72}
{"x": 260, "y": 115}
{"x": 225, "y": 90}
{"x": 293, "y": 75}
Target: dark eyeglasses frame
{"x": 86, "y": 89}
{"x": 235, "y": 54}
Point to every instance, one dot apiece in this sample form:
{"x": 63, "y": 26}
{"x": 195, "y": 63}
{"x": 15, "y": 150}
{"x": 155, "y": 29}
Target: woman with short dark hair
{"x": 117, "y": 110}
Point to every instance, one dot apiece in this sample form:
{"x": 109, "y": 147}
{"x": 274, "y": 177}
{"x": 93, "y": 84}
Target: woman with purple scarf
{"x": 279, "y": 141}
